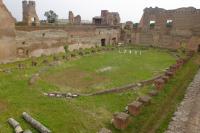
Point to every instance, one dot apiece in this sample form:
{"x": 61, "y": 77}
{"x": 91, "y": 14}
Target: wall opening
{"x": 33, "y": 21}
{"x": 23, "y": 42}
{"x": 199, "y": 48}
{"x": 169, "y": 23}
{"x": 27, "y": 52}
{"x": 103, "y": 42}
{"x": 152, "y": 24}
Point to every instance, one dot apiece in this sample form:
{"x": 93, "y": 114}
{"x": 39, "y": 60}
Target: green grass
{"x": 86, "y": 114}
{"x": 156, "y": 117}
{"x": 82, "y": 75}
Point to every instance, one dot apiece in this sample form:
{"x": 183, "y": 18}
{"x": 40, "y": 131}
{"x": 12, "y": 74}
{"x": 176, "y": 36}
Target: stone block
{"x": 180, "y": 62}
{"x": 105, "y": 130}
{"x": 145, "y": 99}
{"x": 169, "y": 74}
{"x": 153, "y": 93}
{"x": 159, "y": 84}
{"x": 173, "y": 68}
{"x": 165, "y": 78}
{"x": 121, "y": 120}
{"x": 134, "y": 108}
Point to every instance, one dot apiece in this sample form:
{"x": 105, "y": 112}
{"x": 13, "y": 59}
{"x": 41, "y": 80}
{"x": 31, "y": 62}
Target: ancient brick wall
{"x": 168, "y": 28}
{"x": 180, "y": 18}
{"x": 7, "y": 34}
{"x": 45, "y": 40}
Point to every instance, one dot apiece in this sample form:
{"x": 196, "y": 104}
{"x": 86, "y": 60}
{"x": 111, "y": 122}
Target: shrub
{"x": 81, "y": 53}
{"x": 66, "y": 47}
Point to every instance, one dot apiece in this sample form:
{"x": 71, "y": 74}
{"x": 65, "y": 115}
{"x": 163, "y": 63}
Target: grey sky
{"x": 128, "y": 9}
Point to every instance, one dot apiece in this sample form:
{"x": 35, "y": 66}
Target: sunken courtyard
{"x": 102, "y": 75}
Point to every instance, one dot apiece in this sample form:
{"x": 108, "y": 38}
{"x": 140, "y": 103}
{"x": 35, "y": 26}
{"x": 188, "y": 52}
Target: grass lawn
{"x": 107, "y": 70}
{"x": 84, "y": 114}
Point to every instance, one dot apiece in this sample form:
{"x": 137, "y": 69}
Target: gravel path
{"x": 187, "y": 117}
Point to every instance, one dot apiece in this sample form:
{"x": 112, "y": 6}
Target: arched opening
{"x": 33, "y": 21}
{"x": 152, "y": 24}
{"x": 103, "y": 42}
{"x": 169, "y": 23}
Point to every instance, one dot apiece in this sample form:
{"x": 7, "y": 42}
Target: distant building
{"x": 107, "y": 18}
{"x": 74, "y": 20}
{"x": 29, "y": 13}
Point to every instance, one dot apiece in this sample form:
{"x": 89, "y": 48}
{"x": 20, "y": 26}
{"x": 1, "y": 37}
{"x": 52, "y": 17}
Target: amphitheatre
{"x": 70, "y": 76}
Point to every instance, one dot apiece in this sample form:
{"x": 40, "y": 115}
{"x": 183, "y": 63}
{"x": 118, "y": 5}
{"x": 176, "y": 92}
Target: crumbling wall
{"x": 31, "y": 42}
{"x": 107, "y": 18}
{"x": 74, "y": 20}
{"x": 7, "y": 34}
{"x": 168, "y": 28}
{"x": 180, "y": 18}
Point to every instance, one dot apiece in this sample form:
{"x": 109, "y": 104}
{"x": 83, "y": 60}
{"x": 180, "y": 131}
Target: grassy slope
{"x": 155, "y": 118}
{"x": 62, "y": 116}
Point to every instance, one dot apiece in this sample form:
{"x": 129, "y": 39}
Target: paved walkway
{"x": 187, "y": 117}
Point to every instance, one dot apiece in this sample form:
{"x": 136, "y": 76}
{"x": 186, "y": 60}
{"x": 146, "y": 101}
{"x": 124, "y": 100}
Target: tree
{"x": 51, "y": 16}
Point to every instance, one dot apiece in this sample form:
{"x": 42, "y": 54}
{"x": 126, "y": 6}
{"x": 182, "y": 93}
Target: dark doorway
{"x": 27, "y": 52}
{"x": 199, "y": 48}
{"x": 103, "y": 42}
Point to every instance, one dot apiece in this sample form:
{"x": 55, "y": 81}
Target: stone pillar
{"x": 134, "y": 108}
{"x": 121, "y": 120}
{"x": 71, "y": 17}
{"x": 145, "y": 100}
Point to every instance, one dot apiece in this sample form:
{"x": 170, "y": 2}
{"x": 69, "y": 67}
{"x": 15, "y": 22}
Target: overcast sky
{"x": 128, "y": 9}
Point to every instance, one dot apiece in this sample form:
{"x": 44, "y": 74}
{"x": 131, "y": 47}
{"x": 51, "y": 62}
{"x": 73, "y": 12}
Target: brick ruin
{"x": 32, "y": 41}
{"x": 167, "y": 28}
{"x": 158, "y": 27}
{"x": 74, "y": 20}
{"x": 30, "y": 17}
{"x": 107, "y": 18}
{"x": 7, "y": 33}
